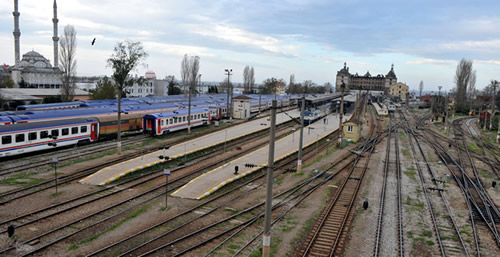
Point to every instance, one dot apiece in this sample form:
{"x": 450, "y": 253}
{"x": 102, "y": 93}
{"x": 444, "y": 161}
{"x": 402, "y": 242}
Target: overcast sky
{"x": 310, "y": 38}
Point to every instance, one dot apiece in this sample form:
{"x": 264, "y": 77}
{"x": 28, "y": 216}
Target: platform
{"x": 211, "y": 181}
{"x": 111, "y": 173}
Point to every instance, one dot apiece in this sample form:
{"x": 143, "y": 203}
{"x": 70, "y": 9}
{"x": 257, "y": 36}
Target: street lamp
{"x": 228, "y": 72}
{"x": 55, "y": 162}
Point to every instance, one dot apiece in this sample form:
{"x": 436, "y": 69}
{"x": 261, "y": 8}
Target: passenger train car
{"x": 29, "y": 137}
{"x": 163, "y": 123}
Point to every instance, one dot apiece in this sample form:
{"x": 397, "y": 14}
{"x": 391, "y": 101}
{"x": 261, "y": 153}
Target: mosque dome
{"x": 35, "y": 59}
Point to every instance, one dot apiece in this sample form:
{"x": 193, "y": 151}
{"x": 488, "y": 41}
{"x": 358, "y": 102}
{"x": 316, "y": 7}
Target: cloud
{"x": 431, "y": 61}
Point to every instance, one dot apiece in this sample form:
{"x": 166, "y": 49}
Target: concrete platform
{"x": 111, "y": 173}
{"x": 209, "y": 182}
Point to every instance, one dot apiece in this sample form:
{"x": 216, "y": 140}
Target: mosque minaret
{"x": 17, "y": 32}
{"x": 55, "y": 38}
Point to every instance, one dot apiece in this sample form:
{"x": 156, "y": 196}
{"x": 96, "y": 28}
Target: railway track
{"x": 163, "y": 241}
{"x": 22, "y": 192}
{"x": 441, "y": 215}
{"x": 392, "y": 167}
{"x": 92, "y": 197}
{"x": 328, "y": 235}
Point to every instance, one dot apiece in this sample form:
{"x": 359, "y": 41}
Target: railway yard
{"x": 408, "y": 187}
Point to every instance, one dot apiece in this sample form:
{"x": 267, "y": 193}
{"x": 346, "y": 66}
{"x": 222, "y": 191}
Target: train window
{"x": 163, "y": 122}
{"x": 83, "y": 129}
{"x": 6, "y": 140}
{"x": 19, "y": 138}
{"x": 32, "y": 136}
{"x": 184, "y": 118}
{"x": 170, "y": 121}
{"x": 44, "y": 134}
{"x": 74, "y": 130}
{"x": 65, "y": 131}
{"x": 54, "y": 132}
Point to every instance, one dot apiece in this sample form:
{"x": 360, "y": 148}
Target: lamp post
{"x": 301, "y": 138}
{"x": 228, "y": 72}
{"x": 266, "y": 242}
{"x": 55, "y": 162}
{"x": 341, "y": 130}
{"x": 166, "y": 173}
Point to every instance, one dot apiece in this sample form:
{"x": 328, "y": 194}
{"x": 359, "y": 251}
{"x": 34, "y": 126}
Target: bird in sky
{"x": 93, "y": 41}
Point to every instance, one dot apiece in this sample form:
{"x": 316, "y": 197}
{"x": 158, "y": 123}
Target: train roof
{"x": 44, "y": 124}
{"x": 49, "y": 106}
{"x": 175, "y": 113}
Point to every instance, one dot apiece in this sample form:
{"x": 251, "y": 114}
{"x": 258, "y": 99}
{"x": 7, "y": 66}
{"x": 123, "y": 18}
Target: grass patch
{"x": 406, "y": 153}
{"x": 115, "y": 226}
{"x": 233, "y": 246}
{"x": 410, "y": 172}
{"x": 473, "y": 147}
{"x": 429, "y": 242}
{"x": 409, "y": 234}
{"x": 417, "y": 207}
{"x": 426, "y": 233}
{"x": 22, "y": 179}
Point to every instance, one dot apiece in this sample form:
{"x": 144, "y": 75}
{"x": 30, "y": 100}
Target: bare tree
{"x": 194, "y": 67}
{"x": 462, "y": 78}
{"x": 185, "y": 73}
{"x": 246, "y": 79}
{"x": 471, "y": 91}
{"x": 125, "y": 58}
{"x": 421, "y": 87}
{"x": 292, "y": 81}
{"x": 68, "y": 63}
{"x": 251, "y": 78}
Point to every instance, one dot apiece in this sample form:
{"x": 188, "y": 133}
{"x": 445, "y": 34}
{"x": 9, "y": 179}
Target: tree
{"x": 194, "y": 67}
{"x": 185, "y": 73}
{"x": 421, "y": 87}
{"x": 6, "y": 82}
{"x": 271, "y": 86}
{"x": 173, "y": 86}
{"x": 68, "y": 63}
{"x": 462, "y": 79}
{"x": 251, "y": 78}
{"x": 125, "y": 58}
{"x": 224, "y": 86}
{"x": 246, "y": 79}
{"x": 104, "y": 90}
{"x": 471, "y": 91}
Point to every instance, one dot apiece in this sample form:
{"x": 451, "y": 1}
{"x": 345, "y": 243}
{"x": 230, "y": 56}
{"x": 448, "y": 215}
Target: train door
{"x": 159, "y": 127}
{"x": 149, "y": 125}
{"x": 93, "y": 131}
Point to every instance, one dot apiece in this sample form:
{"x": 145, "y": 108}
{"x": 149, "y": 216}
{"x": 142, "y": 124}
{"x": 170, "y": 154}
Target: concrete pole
{"x": 266, "y": 242}
{"x": 341, "y": 114}
{"x": 189, "y": 110}
{"x": 119, "y": 123}
{"x": 493, "y": 104}
{"x": 17, "y": 33}
{"x": 301, "y": 138}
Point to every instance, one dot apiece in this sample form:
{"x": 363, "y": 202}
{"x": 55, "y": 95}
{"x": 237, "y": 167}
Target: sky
{"x": 312, "y": 39}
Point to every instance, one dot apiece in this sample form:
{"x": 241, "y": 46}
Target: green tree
{"x": 270, "y": 86}
{"x": 104, "y": 90}
{"x": 6, "y": 82}
{"x": 126, "y": 57}
{"x": 173, "y": 86}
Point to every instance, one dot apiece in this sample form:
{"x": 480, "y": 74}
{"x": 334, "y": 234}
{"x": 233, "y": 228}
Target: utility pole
{"x": 228, "y": 108}
{"x": 199, "y": 84}
{"x": 493, "y": 103}
{"x": 266, "y": 242}
{"x": 299, "y": 160}
{"x": 341, "y": 130}
{"x": 447, "y": 126}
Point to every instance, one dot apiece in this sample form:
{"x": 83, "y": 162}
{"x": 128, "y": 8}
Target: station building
{"x": 399, "y": 90}
{"x": 366, "y": 82}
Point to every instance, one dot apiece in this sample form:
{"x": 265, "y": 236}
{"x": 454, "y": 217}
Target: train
{"x": 33, "y": 129}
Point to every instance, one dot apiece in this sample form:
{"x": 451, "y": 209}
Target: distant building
{"x": 352, "y": 131}
{"x": 399, "y": 90}
{"x": 143, "y": 89}
{"x": 365, "y": 82}
{"x": 34, "y": 70}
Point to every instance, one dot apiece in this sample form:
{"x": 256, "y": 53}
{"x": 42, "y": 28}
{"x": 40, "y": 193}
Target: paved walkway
{"x": 209, "y": 182}
{"x": 111, "y": 173}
